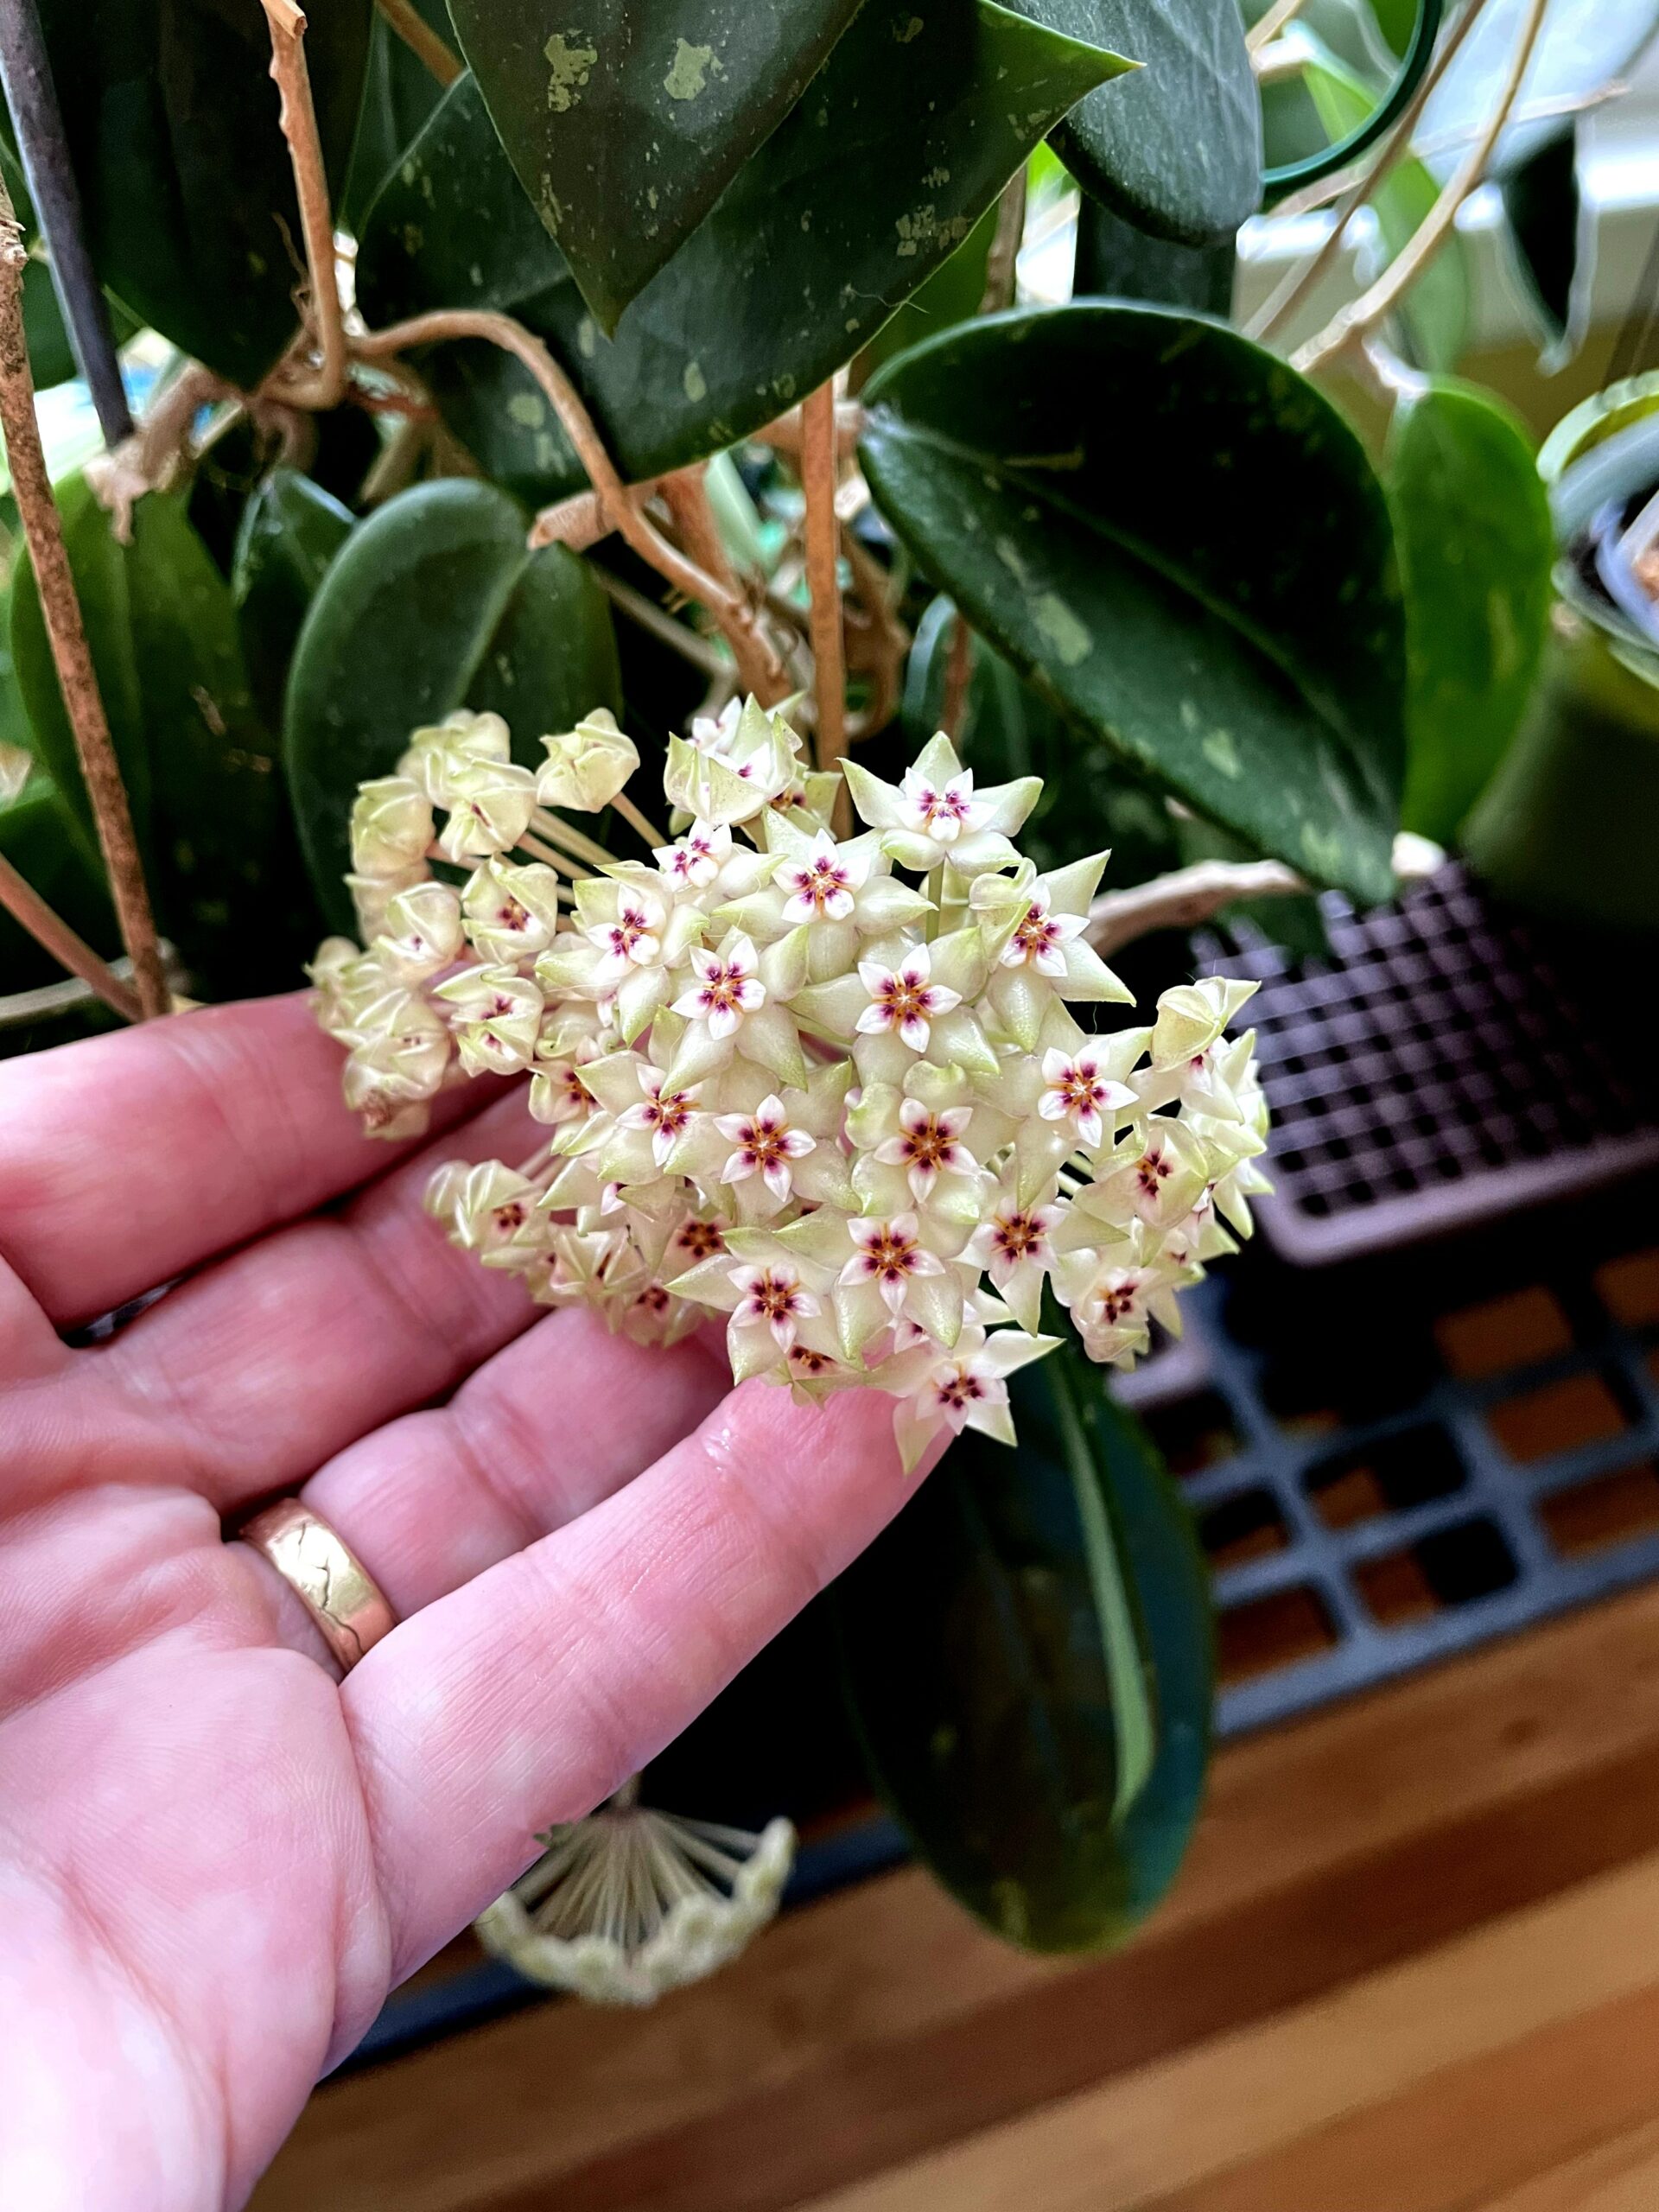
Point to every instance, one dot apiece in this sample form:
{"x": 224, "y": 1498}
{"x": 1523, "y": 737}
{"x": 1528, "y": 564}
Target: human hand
{"x": 215, "y": 1857}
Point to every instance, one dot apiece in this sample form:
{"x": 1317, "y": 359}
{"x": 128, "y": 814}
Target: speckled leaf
{"x": 399, "y": 93}
{"x": 1472, "y": 523}
{"x": 1176, "y": 150}
{"x": 201, "y": 765}
{"x": 625, "y": 124}
{"x": 434, "y": 603}
{"x": 904, "y": 139}
{"x": 184, "y": 175}
{"x": 1116, "y": 260}
{"x": 290, "y": 530}
{"x": 1433, "y": 314}
{"x": 986, "y": 1655}
{"x": 1201, "y": 571}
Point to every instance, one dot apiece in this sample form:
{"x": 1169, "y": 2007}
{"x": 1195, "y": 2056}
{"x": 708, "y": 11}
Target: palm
{"x": 215, "y": 1860}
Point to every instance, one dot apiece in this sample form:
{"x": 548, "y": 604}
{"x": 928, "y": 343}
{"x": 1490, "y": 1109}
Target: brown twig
{"x": 152, "y": 458}
{"x": 422, "y": 40}
{"x": 958, "y": 674}
{"x": 819, "y": 465}
{"x": 299, "y": 122}
{"x": 730, "y": 610}
{"x": 61, "y": 610}
{"x": 47, "y": 928}
{"x": 1394, "y": 147}
{"x": 1184, "y": 898}
{"x": 1002, "y": 263}
{"x": 1345, "y": 331}
{"x": 759, "y": 668}
{"x": 878, "y": 643}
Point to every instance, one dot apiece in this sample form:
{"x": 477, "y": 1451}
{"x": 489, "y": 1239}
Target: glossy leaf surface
{"x": 1116, "y": 260}
{"x": 434, "y": 603}
{"x": 290, "y": 530}
{"x": 1175, "y": 150}
{"x": 1202, "y": 572}
{"x": 907, "y": 135}
{"x": 625, "y": 124}
{"x": 1028, "y": 1650}
{"x": 1471, "y": 522}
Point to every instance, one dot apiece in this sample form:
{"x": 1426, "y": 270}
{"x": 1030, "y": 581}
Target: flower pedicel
{"x": 854, "y": 1113}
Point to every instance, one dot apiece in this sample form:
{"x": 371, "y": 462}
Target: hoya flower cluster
{"x": 834, "y": 1090}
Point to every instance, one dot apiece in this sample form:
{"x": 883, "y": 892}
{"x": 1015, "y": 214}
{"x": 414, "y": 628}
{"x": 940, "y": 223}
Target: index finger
{"x": 127, "y": 1158}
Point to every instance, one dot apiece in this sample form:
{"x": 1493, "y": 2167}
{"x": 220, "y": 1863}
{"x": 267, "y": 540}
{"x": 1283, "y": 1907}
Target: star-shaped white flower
{"x": 633, "y": 939}
{"x": 729, "y": 986}
{"x": 697, "y": 857}
{"x": 928, "y": 1145}
{"x": 764, "y": 1145}
{"x": 1038, "y": 940}
{"x": 905, "y": 999}
{"x": 664, "y": 1113}
{"x": 890, "y": 1256}
{"x": 941, "y": 811}
{"x": 773, "y": 1298}
{"x": 1076, "y": 1089}
{"x": 820, "y": 880}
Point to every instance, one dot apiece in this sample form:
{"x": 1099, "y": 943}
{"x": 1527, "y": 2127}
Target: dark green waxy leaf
{"x": 184, "y": 175}
{"x": 951, "y": 294}
{"x": 201, "y": 766}
{"x": 1551, "y": 237}
{"x": 1584, "y": 45}
{"x": 1091, "y": 798}
{"x": 50, "y": 355}
{"x": 291, "y": 529}
{"x": 434, "y": 603}
{"x": 1472, "y": 523}
{"x": 1027, "y": 1651}
{"x": 36, "y": 837}
{"x": 1202, "y": 573}
{"x": 1176, "y": 150}
{"x": 906, "y": 136}
{"x": 1434, "y": 314}
{"x": 1295, "y": 923}
{"x": 624, "y": 131}
{"x": 1116, "y": 260}
{"x": 399, "y": 93}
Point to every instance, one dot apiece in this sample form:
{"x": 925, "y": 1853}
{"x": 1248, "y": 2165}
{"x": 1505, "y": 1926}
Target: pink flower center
{"x": 889, "y": 1257}
{"x": 1017, "y": 1235}
{"x": 701, "y": 1239}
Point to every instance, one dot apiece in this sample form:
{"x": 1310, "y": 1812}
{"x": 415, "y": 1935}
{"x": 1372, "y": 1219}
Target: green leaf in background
{"x": 1116, "y": 260}
{"x": 951, "y": 294}
{"x": 290, "y": 530}
{"x": 184, "y": 175}
{"x": 1434, "y": 314}
{"x": 906, "y": 136}
{"x": 1472, "y": 523}
{"x": 434, "y": 603}
{"x": 626, "y": 130}
{"x": 399, "y": 93}
{"x": 1551, "y": 237}
{"x": 35, "y": 836}
{"x": 1182, "y": 545}
{"x": 1176, "y": 150}
{"x": 1089, "y": 800}
{"x": 51, "y": 356}
{"x": 1029, "y": 1656}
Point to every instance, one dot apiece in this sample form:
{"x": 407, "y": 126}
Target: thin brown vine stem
{"x": 60, "y": 608}
{"x": 958, "y": 674}
{"x": 298, "y": 117}
{"x": 731, "y": 611}
{"x": 48, "y": 929}
{"x": 888, "y": 641}
{"x": 1183, "y": 899}
{"x": 1394, "y": 147}
{"x": 639, "y": 822}
{"x": 422, "y": 41}
{"x": 1346, "y": 329}
{"x": 1002, "y": 263}
{"x": 822, "y": 532}
{"x": 759, "y": 668}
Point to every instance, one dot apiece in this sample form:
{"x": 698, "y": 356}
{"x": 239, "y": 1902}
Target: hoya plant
{"x": 732, "y": 563}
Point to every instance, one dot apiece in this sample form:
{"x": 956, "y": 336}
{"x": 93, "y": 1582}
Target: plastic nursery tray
{"x": 1452, "y": 1061}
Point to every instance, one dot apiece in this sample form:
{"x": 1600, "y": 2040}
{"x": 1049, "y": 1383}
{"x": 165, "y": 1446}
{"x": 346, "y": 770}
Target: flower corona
{"x": 854, "y": 1114}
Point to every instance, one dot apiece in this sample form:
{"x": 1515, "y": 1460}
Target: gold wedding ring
{"x": 336, "y": 1589}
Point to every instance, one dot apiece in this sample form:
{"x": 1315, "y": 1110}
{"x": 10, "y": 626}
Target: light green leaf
{"x": 1201, "y": 572}
{"x": 184, "y": 176}
{"x": 1175, "y": 150}
{"x": 1472, "y": 523}
{"x": 434, "y": 603}
{"x": 904, "y": 139}
{"x": 1434, "y": 311}
{"x": 1028, "y": 1649}
{"x": 624, "y": 131}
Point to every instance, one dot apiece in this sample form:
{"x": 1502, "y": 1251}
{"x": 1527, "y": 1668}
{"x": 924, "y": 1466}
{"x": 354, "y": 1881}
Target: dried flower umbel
{"x": 852, "y": 1112}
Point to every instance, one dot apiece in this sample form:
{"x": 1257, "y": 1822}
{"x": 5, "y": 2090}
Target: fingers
{"x": 527, "y": 1695}
{"x": 245, "y": 1378}
{"x": 541, "y": 1433}
{"x": 126, "y": 1159}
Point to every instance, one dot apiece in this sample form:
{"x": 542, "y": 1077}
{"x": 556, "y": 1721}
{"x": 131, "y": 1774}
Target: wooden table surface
{"x": 1412, "y": 1966}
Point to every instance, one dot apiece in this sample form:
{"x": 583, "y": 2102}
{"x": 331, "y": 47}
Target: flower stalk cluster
{"x": 834, "y": 1090}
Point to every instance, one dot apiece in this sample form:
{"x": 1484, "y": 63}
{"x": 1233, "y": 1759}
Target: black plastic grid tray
{"x": 1451, "y": 1061}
